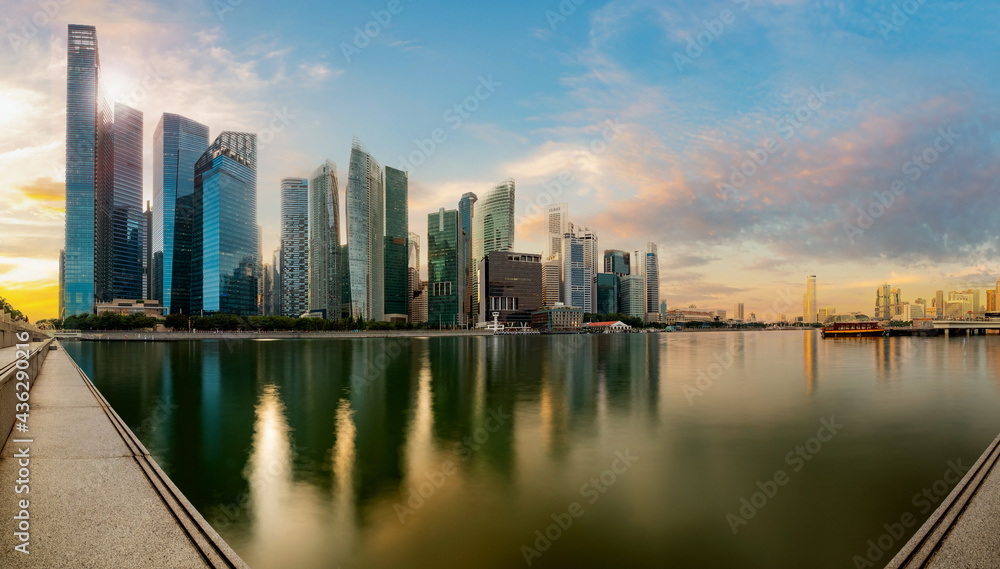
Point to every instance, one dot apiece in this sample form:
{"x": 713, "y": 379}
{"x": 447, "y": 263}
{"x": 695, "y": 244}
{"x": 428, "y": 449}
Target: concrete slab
{"x": 71, "y": 432}
{"x": 48, "y": 394}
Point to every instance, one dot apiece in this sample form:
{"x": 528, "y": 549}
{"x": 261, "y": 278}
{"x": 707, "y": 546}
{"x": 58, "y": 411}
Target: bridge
{"x": 966, "y": 327}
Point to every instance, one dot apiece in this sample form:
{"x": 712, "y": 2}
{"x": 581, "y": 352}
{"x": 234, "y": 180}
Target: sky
{"x": 755, "y": 142}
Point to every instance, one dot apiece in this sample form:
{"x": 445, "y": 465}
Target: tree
{"x": 176, "y": 322}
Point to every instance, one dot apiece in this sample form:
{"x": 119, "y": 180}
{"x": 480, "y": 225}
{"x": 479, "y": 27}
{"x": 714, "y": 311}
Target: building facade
{"x": 512, "y": 287}
{"x": 631, "y": 300}
{"x": 127, "y": 218}
{"x": 652, "y": 261}
{"x": 417, "y": 301}
{"x": 557, "y": 222}
{"x": 294, "y": 246}
{"x": 616, "y": 261}
{"x": 324, "y": 241}
{"x": 467, "y": 211}
{"x": 397, "y": 230}
{"x": 492, "y": 228}
{"x": 608, "y": 291}
{"x": 445, "y": 270}
{"x": 577, "y": 278}
{"x": 809, "y": 313}
{"x": 365, "y": 233}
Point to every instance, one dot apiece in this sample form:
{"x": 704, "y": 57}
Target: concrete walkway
{"x": 97, "y": 499}
{"x": 964, "y": 532}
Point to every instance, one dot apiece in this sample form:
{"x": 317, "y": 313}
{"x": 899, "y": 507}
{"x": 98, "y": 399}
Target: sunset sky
{"x": 836, "y": 100}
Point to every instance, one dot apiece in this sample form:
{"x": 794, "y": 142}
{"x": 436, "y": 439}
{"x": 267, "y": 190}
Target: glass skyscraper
{"x": 445, "y": 269}
{"x": 127, "y": 219}
{"x": 512, "y": 286}
{"x": 224, "y": 227}
{"x": 86, "y": 114}
{"x": 324, "y": 241}
{"x": 607, "y": 293}
{"x": 652, "y": 279}
{"x": 365, "y": 233}
{"x": 178, "y": 143}
{"x": 577, "y": 276}
{"x": 294, "y": 246}
{"x": 467, "y": 210}
{"x": 397, "y": 229}
{"x": 616, "y": 261}
{"x": 492, "y": 228}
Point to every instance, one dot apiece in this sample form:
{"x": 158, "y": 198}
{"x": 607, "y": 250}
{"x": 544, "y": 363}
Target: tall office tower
{"x": 88, "y": 192}
{"x": 809, "y": 312}
{"x": 178, "y": 143}
{"x": 413, "y": 277}
{"x": 260, "y": 270}
{"x": 991, "y": 300}
{"x": 976, "y": 306}
{"x": 62, "y": 283}
{"x": 224, "y": 227}
{"x": 663, "y": 312}
{"x": 324, "y": 241}
{"x": 608, "y": 291}
{"x": 883, "y": 311}
{"x": 126, "y": 203}
{"x": 365, "y": 233}
{"x": 551, "y": 281}
{"x": 420, "y": 304}
{"x": 616, "y": 261}
{"x": 467, "y": 211}
{"x": 267, "y": 291}
{"x": 276, "y": 282}
{"x": 445, "y": 269}
{"x": 738, "y": 312}
{"x": 591, "y": 257}
{"x": 637, "y": 267}
{"x": 557, "y": 222}
{"x": 939, "y": 302}
{"x": 397, "y": 229}
{"x": 147, "y": 252}
{"x": 512, "y": 287}
{"x": 492, "y": 229}
{"x": 345, "y": 283}
{"x": 632, "y": 296}
{"x": 652, "y": 279}
{"x": 294, "y": 246}
{"x": 895, "y": 302}
{"x": 577, "y": 279}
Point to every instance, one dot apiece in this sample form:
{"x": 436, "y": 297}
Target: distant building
{"x": 652, "y": 272}
{"x": 557, "y": 318}
{"x": 738, "y": 312}
{"x": 991, "y": 300}
{"x": 551, "y": 281}
{"x": 557, "y": 222}
{"x": 397, "y": 229}
{"x": 591, "y": 257}
{"x": 294, "y": 246}
{"x": 939, "y": 302}
{"x": 418, "y": 301}
{"x": 324, "y": 241}
{"x": 365, "y": 234}
{"x": 512, "y": 286}
{"x": 912, "y": 312}
{"x": 616, "y": 261}
{"x": 888, "y": 303}
{"x": 687, "y": 315}
{"x": 826, "y": 312}
{"x": 809, "y": 313}
{"x": 445, "y": 269}
{"x": 577, "y": 278}
{"x": 492, "y": 228}
{"x": 128, "y": 306}
{"x": 608, "y": 291}
{"x": 631, "y": 301}
{"x": 612, "y": 327}
{"x": 467, "y": 211}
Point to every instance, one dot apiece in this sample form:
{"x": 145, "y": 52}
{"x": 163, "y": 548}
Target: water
{"x": 314, "y": 453}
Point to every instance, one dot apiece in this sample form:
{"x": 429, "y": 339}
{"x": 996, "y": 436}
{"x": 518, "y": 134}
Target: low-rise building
{"x": 557, "y": 318}
{"x": 125, "y": 307}
{"x": 607, "y": 327}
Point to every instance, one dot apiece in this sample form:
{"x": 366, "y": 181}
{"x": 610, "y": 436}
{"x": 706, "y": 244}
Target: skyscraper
{"x": 591, "y": 257}
{"x": 738, "y": 312}
{"x": 939, "y": 302}
{"x": 809, "y": 309}
{"x": 883, "y": 309}
{"x": 445, "y": 269}
{"x": 62, "y": 283}
{"x": 467, "y": 211}
{"x": 551, "y": 281}
{"x": 577, "y": 279}
{"x": 147, "y": 252}
{"x": 178, "y": 143}
{"x": 616, "y": 261}
{"x": 127, "y": 218}
{"x": 365, "y": 232}
{"x": 294, "y": 246}
{"x": 417, "y": 301}
{"x": 608, "y": 291}
{"x": 397, "y": 229}
{"x": 224, "y": 260}
{"x": 324, "y": 241}
{"x": 637, "y": 268}
{"x": 652, "y": 279}
{"x": 87, "y": 115}
{"x": 492, "y": 228}
{"x": 632, "y": 294}
{"x": 512, "y": 287}
{"x": 557, "y": 222}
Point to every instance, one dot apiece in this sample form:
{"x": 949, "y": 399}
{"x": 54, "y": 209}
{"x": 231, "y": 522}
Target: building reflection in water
{"x": 809, "y": 363}
{"x": 270, "y": 466}
{"x": 344, "y": 453}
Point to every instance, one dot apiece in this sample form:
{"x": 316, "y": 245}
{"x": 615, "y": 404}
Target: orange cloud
{"x": 37, "y": 299}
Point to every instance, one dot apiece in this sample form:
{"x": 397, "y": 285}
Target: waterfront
{"x": 302, "y": 452}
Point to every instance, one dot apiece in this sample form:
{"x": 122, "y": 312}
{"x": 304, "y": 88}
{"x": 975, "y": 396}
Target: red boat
{"x": 853, "y": 330}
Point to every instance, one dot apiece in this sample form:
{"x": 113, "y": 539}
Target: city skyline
{"x": 708, "y": 251}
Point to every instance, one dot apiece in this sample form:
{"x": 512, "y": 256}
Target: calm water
{"x": 452, "y": 452}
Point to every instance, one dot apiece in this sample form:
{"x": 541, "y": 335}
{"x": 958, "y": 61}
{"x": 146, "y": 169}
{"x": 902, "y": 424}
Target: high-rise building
{"x": 511, "y": 285}
{"x": 809, "y": 313}
{"x": 632, "y": 301}
{"x": 445, "y": 269}
{"x": 417, "y": 301}
{"x": 126, "y": 203}
{"x": 608, "y": 285}
{"x": 147, "y": 252}
{"x": 62, "y": 283}
{"x": 492, "y": 228}
{"x": 652, "y": 278}
{"x": 557, "y": 221}
{"x": 882, "y": 301}
{"x": 826, "y": 312}
{"x": 224, "y": 260}
{"x": 965, "y": 298}
{"x": 345, "y": 282}
{"x": 637, "y": 267}
{"x": 991, "y": 300}
{"x": 397, "y": 229}
{"x": 178, "y": 143}
{"x": 88, "y": 206}
{"x": 591, "y": 258}
{"x": 275, "y": 297}
{"x": 365, "y": 233}
{"x": 577, "y": 279}
{"x": 324, "y": 241}
{"x": 551, "y": 281}
{"x": 267, "y": 292}
{"x": 294, "y": 246}
{"x": 616, "y": 261}
{"x": 260, "y": 270}
{"x": 738, "y": 312}
{"x": 467, "y": 211}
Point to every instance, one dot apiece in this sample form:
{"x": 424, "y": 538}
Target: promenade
{"x": 96, "y": 499}
{"x": 964, "y": 532}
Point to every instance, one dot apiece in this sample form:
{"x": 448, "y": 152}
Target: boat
{"x": 854, "y": 330}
